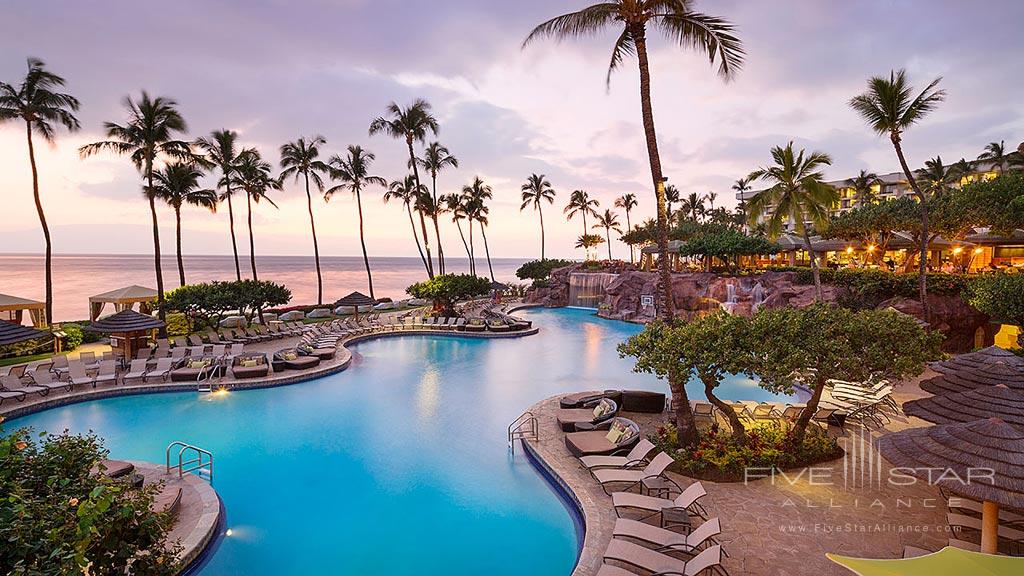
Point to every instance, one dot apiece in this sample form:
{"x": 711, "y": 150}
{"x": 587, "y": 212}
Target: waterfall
{"x": 731, "y": 299}
{"x": 587, "y": 290}
{"x": 756, "y": 296}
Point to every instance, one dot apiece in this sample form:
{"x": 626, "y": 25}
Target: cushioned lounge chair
{"x": 637, "y": 456}
{"x": 710, "y": 559}
{"x": 635, "y": 477}
{"x": 601, "y": 411}
{"x": 599, "y": 443}
{"x": 292, "y": 359}
{"x": 688, "y": 500}
{"x": 194, "y": 370}
{"x": 581, "y": 399}
{"x": 250, "y": 366}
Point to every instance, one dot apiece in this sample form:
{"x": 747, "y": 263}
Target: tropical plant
{"x": 863, "y": 187}
{"x": 672, "y": 196}
{"x": 178, "y": 184}
{"x": 711, "y": 197}
{"x": 627, "y": 202}
{"x": 435, "y": 159}
{"x": 581, "y": 203}
{"x": 889, "y": 109}
{"x": 210, "y": 302}
{"x": 587, "y": 242}
{"x": 540, "y": 269}
{"x": 407, "y": 191}
{"x": 936, "y": 178}
{"x": 534, "y": 192}
{"x": 38, "y": 103}
{"x": 728, "y": 245}
{"x": 412, "y": 125}
{"x": 148, "y": 135}
{"x": 455, "y": 204}
{"x": 995, "y": 152}
{"x": 692, "y": 207}
{"x": 609, "y": 221}
{"x": 446, "y": 290}
{"x": 476, "y": 196}
{"x": 742, "y": 186}
{"x": 353, "y": 173}
{"x": 798, "y": 194}
{"x": 300, "y": 159}
{"x": 220, "y": 150}
{"x": 1001, "y": 296}
{"x": 253, "y": 175}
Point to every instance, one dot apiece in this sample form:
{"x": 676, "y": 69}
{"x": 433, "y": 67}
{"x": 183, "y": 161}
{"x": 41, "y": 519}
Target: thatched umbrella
{"x": 964, "y": 379}
{"x": 978, "y": 359}
{"x": 985, "y": 402}
{"x": 11, "y": 333}
{"x": 981, "y": 460}
{"x": 355, "y": 300}
{"x": 129, "y": 326}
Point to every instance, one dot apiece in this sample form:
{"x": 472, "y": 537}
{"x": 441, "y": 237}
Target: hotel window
{"x": 1008, "y": 252}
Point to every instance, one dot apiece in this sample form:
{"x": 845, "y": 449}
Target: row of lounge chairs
{"x": 787, "y": 414}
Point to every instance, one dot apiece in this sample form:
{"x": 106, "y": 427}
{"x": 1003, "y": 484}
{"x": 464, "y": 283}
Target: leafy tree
{"x": 728, "y": 245}
{"x": 220, "y": 151}
{"x": 300, "y": 159}
{"x": 38, "y": 103}
{"x": 435, "y": 159}
{"x": 448, "y": 289}
{"x": 353, "y": 171}
{"x": 627, "y": 202}
{"x": 540, "y": 269}
{"x": 609, "y": 221}
{"x": 255, "y": 296}
{"x": 1001, "y": 296}
{"x": 252, "y": 174}
{"x": 581, "y": 203}
{"x": 177, "y": 184}
{"x": 534, "y": 192}
{"x": 997, "y": 204}
{"x": 874, "y": 224}
{"x": 742, "y": 186}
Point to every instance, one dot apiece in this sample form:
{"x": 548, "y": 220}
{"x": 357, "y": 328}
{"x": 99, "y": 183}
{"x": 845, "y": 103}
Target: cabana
{"x": 123, "y": 299}
{"x": 129, "y": 330}
{"x": 355, "y": 300}
{"x": 12, "y": 308}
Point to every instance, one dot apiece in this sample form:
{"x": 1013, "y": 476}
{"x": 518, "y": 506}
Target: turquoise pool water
{"x": 396, "y": 466}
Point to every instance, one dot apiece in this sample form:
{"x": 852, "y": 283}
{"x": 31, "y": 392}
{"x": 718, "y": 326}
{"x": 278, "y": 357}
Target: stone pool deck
{"x": 782, "y": 525}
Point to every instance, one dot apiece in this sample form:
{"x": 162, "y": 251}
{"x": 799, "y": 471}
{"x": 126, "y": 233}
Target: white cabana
{"x": 13, "y": 308}
{"x": 123, "y": 299}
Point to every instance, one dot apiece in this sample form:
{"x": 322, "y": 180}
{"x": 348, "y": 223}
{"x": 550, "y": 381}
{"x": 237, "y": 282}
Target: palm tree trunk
{"x": 252, "y": 241}
{"x": 922, "y": 267}
{"x": 316, "y": 247}
{"x": 419, "y": 249}
{"x": 464, "y": 244}
{"x": 47, "y": 265}
{"x": 685, "y": 425}
{"x": 483, "y": 231}
{"x": 416, "y": 175}
{"x": 426, "y": 244}
{"x": 362, "y": 241}
{"x": 814, "y": 266}
{"x": 437, "y": 227}
{"x": 608, "y": 240}
{"x": 541, "y": 213}
{"x": 234, "y": 244}
{"x": 628, "y": 228}
{"x": 177, "y": 244}
{"x": 472, "y": 250}
{"x": 161, "y": 313}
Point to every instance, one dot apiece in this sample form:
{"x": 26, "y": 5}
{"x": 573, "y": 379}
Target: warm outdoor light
{"x": 957, "y": 250}
{"x": 978, "y": 250}
{"x": 849, "y": 249}
{"x": 871, "y": 248}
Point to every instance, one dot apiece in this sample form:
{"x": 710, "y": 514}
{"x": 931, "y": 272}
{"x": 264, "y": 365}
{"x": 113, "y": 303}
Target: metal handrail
{"x": 523, "y": 427}
{"x": 196, "y": 464}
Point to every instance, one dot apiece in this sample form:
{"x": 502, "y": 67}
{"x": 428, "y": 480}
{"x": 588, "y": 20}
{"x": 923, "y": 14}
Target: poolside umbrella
{"x": 356, "y": 299}
{"x": 964, "y": 379}
{"x": 11, "y": 333}
{"x": 129, "y": 326}
{"x": 949, "y": 561}
{"x": 984, "y": 402}
{"x": 981, "y": 460}
{"x": 978, "y": 359}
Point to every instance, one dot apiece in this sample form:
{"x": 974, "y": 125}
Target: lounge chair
{"x": 45, "y": 379}
{"x": 88, "y": 359}
{"x": 688, "y": 500}
{"x": 194, "y": 370}
{"x": 136, "y": 370}
{"x": 218, "y": 351}
{"x": 216, "y": 338}
{"x": 581, "y": 399}
{"x": 14, "y": 384}
{"x": 234, "y": 350}
{"x": 460, "y": 324}
{"x": 601, "y": 442}
{"x": 635, "y": 457}
{"x": 162, "y": 370}
{"x": 17, "y": 371}
{"x": 635, "y": 477}
{"x": 144, "y": 353}
{"x": 197, "y": 351}
{"x": 662, "y": 539}
{"x": 178, "y": 354}
{"x": 651, "y": 561}
{"x": 10, "y": 388}
{"x": 60, "y": 365}
{"x": 107, "y": 372}
{"x": 593, "y": 415}
{"x": 79, "y": 375}
{"x": 250, "y": 366}
{"x": 112, "y": 468}
{"x": 196, "y": 340}
{"x": 704, "y": 412}
{"x": 765, "y": 411}
{"x": 179, "y": 342}
{"x": 293, "y": 359}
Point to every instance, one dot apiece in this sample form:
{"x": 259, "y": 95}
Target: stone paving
{"x": 198, "y": 512}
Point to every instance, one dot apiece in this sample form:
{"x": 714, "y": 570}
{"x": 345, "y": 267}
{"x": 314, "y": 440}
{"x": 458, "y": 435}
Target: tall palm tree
{"x": 477, "y": 194}
{"x": 889, "y": 108}
{"x": 672, "y": 196}
{"x": 534, "y": 192}
{"x": 996, "y": 153}
{"x": 456, "y": 205}
{"x": 300, "y": 159}
{"x": 253, "y": 175}
{"x": 581, "y": 203}
{"x": 609, "y": 221}
{"x": 799, "y": 194}
{"x": 694, "y": 204}
{"x": 711, "y": 197}
{"x": 627, "y": 202}
{"x": 178, "y": 184}
{"x": 220, "y": 149}
{"x": 936, "y": 178}
{"x": 353, "y": 171}
{"x": 435, "y": 159}
{"x": 863, "y": 190}
{"x": 149, "y": 134}
{"x": 742, "y": 186}
{"x": 37, "y": 102}
{"x": 411, "y": 124}
{"x": 407, "y": 192}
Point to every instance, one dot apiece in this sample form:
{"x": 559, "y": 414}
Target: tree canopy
{"x": 447, "y": 289}
{"x": 210, "y": 302}
{"x": 1001, "y": 296}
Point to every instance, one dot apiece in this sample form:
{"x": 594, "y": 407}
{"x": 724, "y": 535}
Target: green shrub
{"x": 447, "y": 289}
{"x": 878, "y": 285}
{"x": 178, "y": 324}
{"x": 72, "y": 337}
{"x": 1001, "y": 296}
{"x": 206, "y": 304}
{"x": 540, "y": 269}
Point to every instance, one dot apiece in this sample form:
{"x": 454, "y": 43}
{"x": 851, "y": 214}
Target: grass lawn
{"x": 22, "y": 359}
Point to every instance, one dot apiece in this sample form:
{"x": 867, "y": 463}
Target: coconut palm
{"x": 534, "y": 192}
{"x": 253, "y": 175}
{"x": 353, "y": 173}
{"x": 936, "y": 178}
{"x": 863, "y": 187}
{"x": 609, "y": 221}
{"x": 220, "y": 150}
{"x": 411, "y": 124}
{"x": 299, "y": 159}
{"x": 148, "y": 135}
{"x": 889, "y": 108}
{"x": 37, "y": 102}
{"x": 581, "y": 203}
{"x": 455, "y": 204}
{"x": 742, "y": 186}
{"x": 995, "y": 152}
{"x": 476, "y": 196}
{"x": 693, "y": 207}
{"x": 710, "y": 197}
{"x": 798, "y": 194}
{"x": 627, "y": 202}
{"x": 672, "y": 196}
{"x": 407, "y": 192}
{"x": 435, "y": 159}
{"x": 177, "y": 184}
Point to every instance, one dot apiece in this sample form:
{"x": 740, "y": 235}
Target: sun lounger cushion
{"x": 113, "y": 468}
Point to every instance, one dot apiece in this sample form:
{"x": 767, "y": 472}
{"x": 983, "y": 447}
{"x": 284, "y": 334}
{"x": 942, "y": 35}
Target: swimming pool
{"x": 397, "y": 465}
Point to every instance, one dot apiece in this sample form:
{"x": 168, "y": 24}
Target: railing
{"x": 522, "y": 428}
{"x": 190, "y": 459}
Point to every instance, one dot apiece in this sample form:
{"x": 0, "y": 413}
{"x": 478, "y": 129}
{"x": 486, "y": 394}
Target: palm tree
{"x": 477, "y": 194}
{"x": 581, "y": 203}
{"x": 742, "y": 186}
{"x": 609, "y": 221}
{"x": 37, "y": 102}
{"x": 220, "y": 150}
{"x": 672, "y": 196}
{"x": 353, "y": 171}
{"x": 889, "y": 109}
{"x": 798, "y": 194}
{"x": 996, "y": 153}
{"x": 148, "y": 134}
{"x": 253, "y": 175}
{"x": 411, "y": 124}
{"x": 300, "y": 158}
{"x": 711, "y": 197}
{"x": 178, "y": 184}
{"x": 936, "y": 178}
{"x": 435, "y": 159}
{"x": 456, "y": 205}
{"x": 862, "y": 185}
{"x": 407, "y": 191}
{"x": 535, "y": 191}
{"x": 627, "y": 202}
{"x": 694, "y": 206}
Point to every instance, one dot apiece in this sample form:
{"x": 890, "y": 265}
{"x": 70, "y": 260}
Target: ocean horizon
{"x": 76, "y": 277}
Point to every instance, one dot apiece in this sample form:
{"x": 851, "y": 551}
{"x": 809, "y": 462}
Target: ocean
{"x": 77, "y": 277}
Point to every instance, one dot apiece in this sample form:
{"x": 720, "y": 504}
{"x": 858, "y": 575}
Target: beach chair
{"x": 179, "y": 342}
{"x": 79, "y": 375}
{"x": 634, "y": 458}
{"x": 106, "y": 373}
{"x": 709, "y": 559}
{"x": 162, "y": 370}
{"x": 215, "y": 338}
{"x": 219, "y": 350}
{"x": 635, "y": 477}
{"x": 88, "y": 359}
{"x": 136, "y": 370}
{"x": 60, "y": 366}
{"x": 45, "y": 379}
{"x": 10, "y": 389}
{"x": 195, "y": 340}
{"x": 765, "y": 411}
{"x": 17, "y": 371}
{"x": 14, "y": 383}
{"x": 704, "y": 412}
{"x": 688, "y": 500}
{"x": 667, "y": 540}
{"x": 143, "y": 354}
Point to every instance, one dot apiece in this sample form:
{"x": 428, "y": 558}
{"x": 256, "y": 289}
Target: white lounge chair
{"x": 688, "y": 500}
{"x": 162, "y": 370}
{"x": 78, "y": 374}
{"x": 636, "y": 457}
{"x": 662, "y": 539}
{"x": 634, "y": 477}
{"x": 136, "y": 370}
{"x": 106, "y": 373}
{"x": 45, "y": 379}
{"x": 651, "y": 561}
